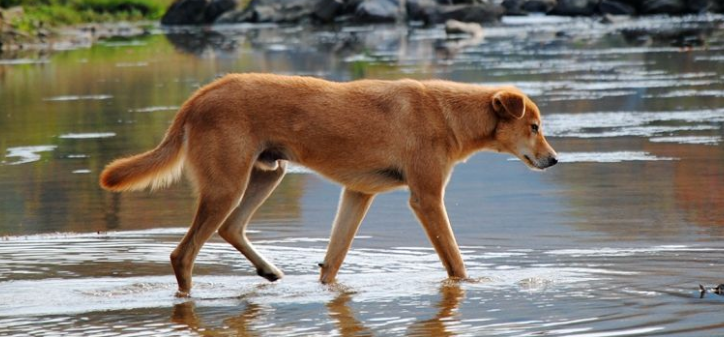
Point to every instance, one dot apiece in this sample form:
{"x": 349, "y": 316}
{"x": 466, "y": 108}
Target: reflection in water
{"x": 447, "y": 315}
{"x": 112, "y": 209}
{"x": 200, "y": 41}
{"x": 239, "y": 325}
{"x": 247, "y": 322}
{"x": 340, "y": 311}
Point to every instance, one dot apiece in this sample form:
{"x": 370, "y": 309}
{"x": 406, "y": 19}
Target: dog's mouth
{"x": 540, "y": 165}
{"x": 530, "y": 162}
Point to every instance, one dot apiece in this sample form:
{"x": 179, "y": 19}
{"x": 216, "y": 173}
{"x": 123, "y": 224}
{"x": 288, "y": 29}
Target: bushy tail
{"x": 156, "y": 168}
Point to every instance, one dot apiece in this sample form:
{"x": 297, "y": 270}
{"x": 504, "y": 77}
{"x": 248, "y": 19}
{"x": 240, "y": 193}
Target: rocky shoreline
{"x": 61, "y": 38}
{"x": 321, "y": 12}
{"x": 335, "y": 13}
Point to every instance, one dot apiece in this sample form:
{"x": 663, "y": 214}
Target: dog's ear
{"x": 509, "y": 104}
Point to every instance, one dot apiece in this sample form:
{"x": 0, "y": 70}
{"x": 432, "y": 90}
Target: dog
{"x": 235, "y": 136}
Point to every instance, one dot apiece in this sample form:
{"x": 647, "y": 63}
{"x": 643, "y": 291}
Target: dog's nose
{"x": 552, "y": 161}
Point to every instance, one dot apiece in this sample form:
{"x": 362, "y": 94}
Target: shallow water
{"x": 613, "y": 241}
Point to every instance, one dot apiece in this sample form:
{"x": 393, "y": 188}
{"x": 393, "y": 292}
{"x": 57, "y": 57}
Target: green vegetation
{"x": 49, "y": 13}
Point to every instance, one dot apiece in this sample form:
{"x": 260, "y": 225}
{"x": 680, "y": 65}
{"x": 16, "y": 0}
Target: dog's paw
{"x": 183, "y": 294}
{"x": 271, "y": 275}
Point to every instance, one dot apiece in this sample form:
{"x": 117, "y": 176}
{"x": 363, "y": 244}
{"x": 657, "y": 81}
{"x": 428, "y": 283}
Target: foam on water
{"x": 155, "y": 108}
{"x": 68, "y": 98}
{"x": 688, "y": 93}
{"x": 27, "y": 154}
{"x": 89, "y": 135}
{"x": 131, "y": 64}
{"x": 698, "y": 140}
{"x": 15, "y": 62}
{"x": 630, "y": 123}
{"x": 608, "y": 157}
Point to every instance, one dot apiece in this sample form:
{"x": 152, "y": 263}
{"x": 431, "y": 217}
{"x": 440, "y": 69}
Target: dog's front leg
{"x": 352, "y": 208}
{"x": 426, "y": 200}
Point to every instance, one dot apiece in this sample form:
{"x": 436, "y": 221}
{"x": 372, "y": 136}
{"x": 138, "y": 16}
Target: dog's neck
{"x": 469, "y": 116}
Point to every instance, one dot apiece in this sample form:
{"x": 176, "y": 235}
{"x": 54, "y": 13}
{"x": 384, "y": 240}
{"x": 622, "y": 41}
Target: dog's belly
{"x": 370, "y": 181}
{"x": 369, "y": 174}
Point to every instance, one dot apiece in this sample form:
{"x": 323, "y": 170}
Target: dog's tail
{"x": 157, "y": 168}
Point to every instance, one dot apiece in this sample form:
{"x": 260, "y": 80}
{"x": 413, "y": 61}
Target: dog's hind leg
{"x": 220, "y": 180}
{"x": 261, "y": 185}
{"x": 352, "y": 208}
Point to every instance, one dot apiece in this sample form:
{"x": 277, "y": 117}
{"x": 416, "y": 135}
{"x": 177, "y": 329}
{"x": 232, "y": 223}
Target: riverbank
{"x": 40, "y": 24}
{"x": 426, "y": 12}
{"x": 64, "y": 24}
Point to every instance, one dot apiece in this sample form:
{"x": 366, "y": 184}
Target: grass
{"x": 51, "y": 13}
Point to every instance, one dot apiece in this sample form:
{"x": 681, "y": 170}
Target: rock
{"x": 698, "y": 6}
{"x": 218, "y": 7}
{"x": 327, "y": 10}
{"x": 512, "y": 7}
{"x": 377, "y": 11}
{"x": 421, "y": 10}
{"x": 196, "y": 12}
{"x": 614, "y": 7}
{"x": 524, "y": 7}
{"x": 663, "y": 7}
{"x": 237, "y": 16}
{"x": 539, "y": 6}
{"x": 482, "y": 13}
{"x": 458, "y": 27}
{"x": 575, "y": 7}
{"x": 278, "y": 11}
{"x": 717, "y": 6}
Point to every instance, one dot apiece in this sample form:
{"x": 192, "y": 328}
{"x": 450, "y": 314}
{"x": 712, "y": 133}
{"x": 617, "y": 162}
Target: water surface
{"x": 611, "y": 242}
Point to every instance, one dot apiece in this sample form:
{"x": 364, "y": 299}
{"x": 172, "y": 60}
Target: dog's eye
{"x": 534, "y": 127}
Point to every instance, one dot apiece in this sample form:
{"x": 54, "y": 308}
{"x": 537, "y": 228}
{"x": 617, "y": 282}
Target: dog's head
{"x": 519, "y": 130}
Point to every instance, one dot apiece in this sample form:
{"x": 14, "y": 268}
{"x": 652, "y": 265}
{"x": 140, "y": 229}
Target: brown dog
{"x": 235, "y": 135}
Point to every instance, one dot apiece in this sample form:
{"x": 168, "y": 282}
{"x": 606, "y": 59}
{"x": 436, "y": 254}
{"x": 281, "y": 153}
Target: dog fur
{"x": 234, "y": 137}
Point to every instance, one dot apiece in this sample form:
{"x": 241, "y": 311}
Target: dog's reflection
{"x": 452, "y": 295}
{"x": 339, "y": 310}
{"x": 239, "y": 325}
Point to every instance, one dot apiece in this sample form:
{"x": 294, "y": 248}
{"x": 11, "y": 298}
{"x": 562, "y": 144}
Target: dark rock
{"x": 327, "y": 10}
{"x": 196, "y": 12}
{"x": 614, "y": 7}
{"x": 278, "y": 11}
{"x": 237, "y": 16}
{"x": 575, "y": 7}
{"x": 483, "y": 13}
{"x": 218, "y": 7}
{"x": 663, "y": 7}
{"x": 524, "y": 7}
{"x": 374, "y": 11}
{"x": 512, "y": 7}
{"x": 421, "y": 10}
{"x": 698, "y": 6}
{"x": 539, "y": 6}
{"x": 717, "y": 6}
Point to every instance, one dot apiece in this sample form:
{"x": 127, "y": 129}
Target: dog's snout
{"x": 552, "y": 161}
